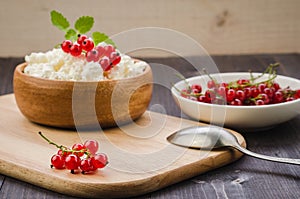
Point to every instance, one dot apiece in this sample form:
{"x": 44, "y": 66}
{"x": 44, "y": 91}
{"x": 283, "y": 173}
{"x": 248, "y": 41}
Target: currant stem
{"x": 270, "y": 69}
{"x": 184, "y": 79}
{"x": 64, "y": 148}
{"x": 210, "y": 77}
{"x": 186, "y": 93}
{"x": 50, "y": 142}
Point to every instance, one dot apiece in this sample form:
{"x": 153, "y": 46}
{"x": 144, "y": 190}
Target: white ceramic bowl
{"x": 238, "y": 117}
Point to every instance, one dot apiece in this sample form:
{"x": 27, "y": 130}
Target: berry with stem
{"x": 92, "y": 146}
{"x": 92, "y": 55}
{"x": 105, "y": 64}
{"x": 72, "y": 162}
{"x": 87, "y": 45}
{"x": 99, "y": 160}
{"x": 81, "y": 38}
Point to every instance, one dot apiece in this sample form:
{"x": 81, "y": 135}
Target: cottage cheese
{"x": 58, "y": 65}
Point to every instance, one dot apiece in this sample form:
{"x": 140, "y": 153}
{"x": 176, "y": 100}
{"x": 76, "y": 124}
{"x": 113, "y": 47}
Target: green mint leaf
{"x": 99, "y": 37}
{"x": 59, "y": 20}
{"x": 71, "y": 34}
{"x": 84, "y": 24}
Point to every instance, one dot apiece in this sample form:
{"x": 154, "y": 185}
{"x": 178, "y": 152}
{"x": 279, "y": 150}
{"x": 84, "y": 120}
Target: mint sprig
{"x": 82, "y": 25}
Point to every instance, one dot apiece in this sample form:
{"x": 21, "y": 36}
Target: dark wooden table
{"x": 246, "y": 178}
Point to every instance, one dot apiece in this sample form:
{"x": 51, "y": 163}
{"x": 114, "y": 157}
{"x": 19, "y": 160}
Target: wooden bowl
{"x": 69, "y": 104}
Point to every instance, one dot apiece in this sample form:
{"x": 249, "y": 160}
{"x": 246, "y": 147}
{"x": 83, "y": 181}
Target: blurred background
{"x": 221, "y": 27}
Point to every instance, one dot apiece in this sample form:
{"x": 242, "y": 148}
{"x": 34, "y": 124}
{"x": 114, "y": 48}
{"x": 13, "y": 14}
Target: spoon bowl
{"x": 213, "y": 137}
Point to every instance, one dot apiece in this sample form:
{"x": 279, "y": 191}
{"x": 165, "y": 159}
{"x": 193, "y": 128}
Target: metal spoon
{"x": 213, "y": 137}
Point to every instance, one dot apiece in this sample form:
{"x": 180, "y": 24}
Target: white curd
{"x": 58, "y": 65}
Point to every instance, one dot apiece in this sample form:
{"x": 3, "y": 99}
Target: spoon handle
{"x": 265, "y": 157}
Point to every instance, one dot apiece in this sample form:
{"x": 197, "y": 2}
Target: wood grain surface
{"x": 221, "y": 27}
{"x": 141, "y": 159}
{"x": 247, "y": 178}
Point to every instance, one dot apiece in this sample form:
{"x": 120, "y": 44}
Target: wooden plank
{"x": 141, "y": 160}
{"x": 221, "y": 27}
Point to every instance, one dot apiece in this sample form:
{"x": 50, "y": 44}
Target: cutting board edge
{"x": 112, "y": 190}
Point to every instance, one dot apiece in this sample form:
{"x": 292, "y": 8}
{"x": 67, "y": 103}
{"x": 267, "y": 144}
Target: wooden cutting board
{"x": 140, "y": 158}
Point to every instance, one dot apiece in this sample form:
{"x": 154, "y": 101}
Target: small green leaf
{"x": 84, "y": 24}
{"x": 59, "y": 20}
{"x": 71, "y": 34}
{"x": 99, "y": 37}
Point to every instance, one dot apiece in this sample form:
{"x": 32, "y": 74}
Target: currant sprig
{"x": 98, "y": 48}
{"x": 82, "y": 157}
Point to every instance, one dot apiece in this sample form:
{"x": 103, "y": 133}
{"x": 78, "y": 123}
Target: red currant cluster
{"x": 242, "y": 92}
{"x": 107, "y": 56}
{"x": 81, "y": 157}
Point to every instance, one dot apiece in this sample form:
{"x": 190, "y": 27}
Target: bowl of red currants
{"x": 241, "y": 100}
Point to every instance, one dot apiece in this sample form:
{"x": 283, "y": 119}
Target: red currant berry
{"x": 86, "y": 166}
{"x": 81, "y": 38}
{"x": 240, "y": 94}
{"x": 202, "y": 98}
{"x": 261, "y": 87}
{"x": 288, "y": 99}
{"x": 198, "y": 87}
{"x": 224, "y": 84}
{"x": 278, "y": 97}
{"x": 92, "y": 55}
{"x": 58, "y": 161}
{"x": 259, "y": 102}
{"x": 276, "y": 86}
{"x": 210, "y": 95}
{"x": 248, "y": 92}
{"x": 269, "y": 92}
{"x": 99, "y": 161}
{"x": 222, "y": 91}
{"x": 79, "y": 147}
{"x": 72, "y": 162}
{"x": 114, "y": 58}
{"x": 297, "y": 94}
{"x": 108, "y": 49}
{"x": 92, "y": 146}
{"x": 66, "y": 46}
{"x": 265, "y": 98}
{"x": 75, "y": 50}
{"x": 87, "y": 45}
{"x": 105, "y": 64}
{"x": 211, "y": 84}
{"x": 230, "y": 95}
{"x": 254, "y": 92}
{"x": 101, "y": 50}
{"x": 236, "y": 102}
{"x": 243, "y": 81}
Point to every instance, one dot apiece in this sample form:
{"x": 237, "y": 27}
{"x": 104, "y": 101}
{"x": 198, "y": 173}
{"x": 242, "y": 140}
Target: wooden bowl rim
{"x": 20, "y": 70}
